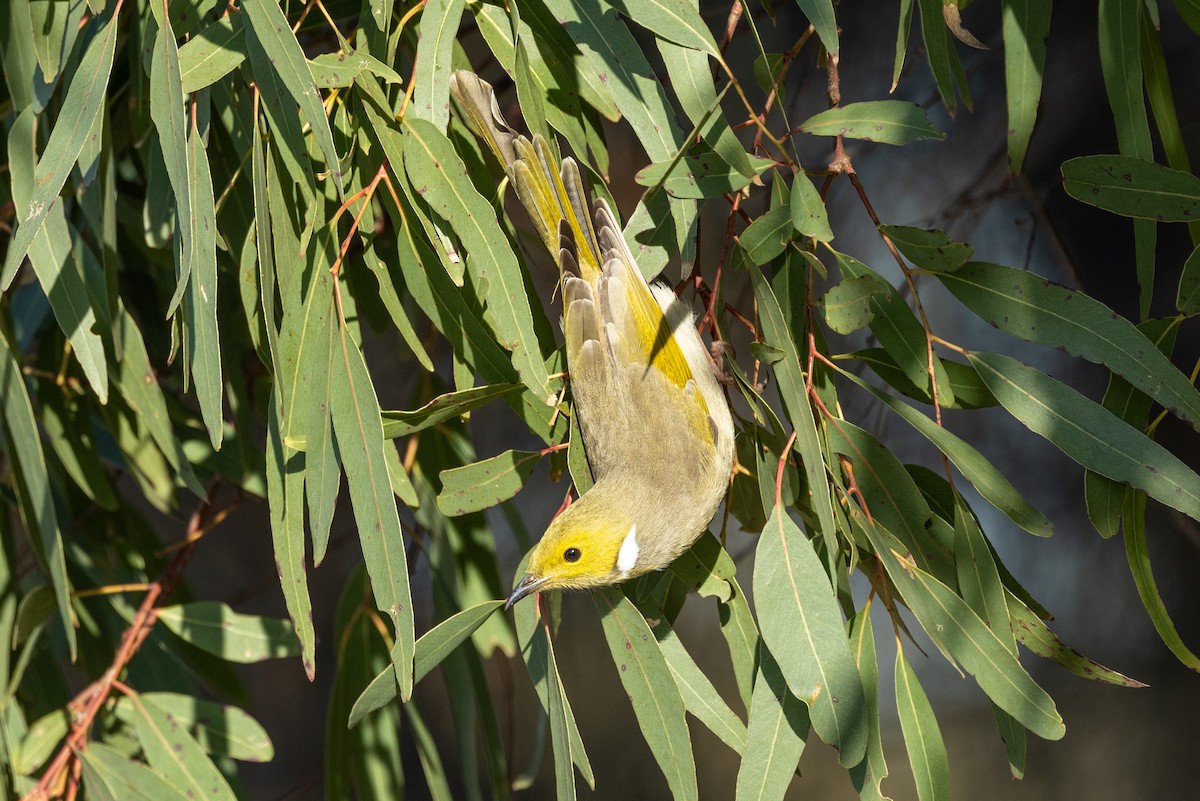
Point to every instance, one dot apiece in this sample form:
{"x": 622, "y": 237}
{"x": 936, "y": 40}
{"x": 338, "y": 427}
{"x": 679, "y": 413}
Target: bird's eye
{"x": 572, "y": 554}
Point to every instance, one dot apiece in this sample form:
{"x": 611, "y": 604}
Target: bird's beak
{"x": 529, "y": 584}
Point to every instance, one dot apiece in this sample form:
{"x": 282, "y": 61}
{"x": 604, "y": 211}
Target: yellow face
{"x": 579, "y": 550}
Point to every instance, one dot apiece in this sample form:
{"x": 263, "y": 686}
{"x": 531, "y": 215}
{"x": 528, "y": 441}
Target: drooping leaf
{"x": 1034, "y": 309}
{"x": 1026, "y": 23}
{"x": 220, "y": 729}
{"x": 439, "y": 175}
{"x": 922, "y": 737}
{"x": 84, "y": 98}
{"x": 173, "y": 752}
{"x": 1089, "y": 433}
{"x": 108, "y": 774}
{"x": 1133, "y": 187}
{"x": 800, "y": 623}
{"x": 775, "y": 735}
{"x": 359, "y": 435}
{"x": 867, "y": 775}
{"x": 890, "y": 122}
{"x": 217, "y": 629}
{"x": 33, "y": 483}
{"x": 987, "y": 480}
{"x": 958, "y": 630}
{"x": 1032, "y": 632}
{"x": 808, "y": 210}
{"x": 677, "y": 21}
{"x": 439, "y": 26}
{"x": 271, "y": 30}
{"x": 432, "y": 647}
{"x": 929, "y": 250}
{"x": 212, "y": 54}
{"x": 701, "y": 174}
{"x": 648, "y": 682}
{"x": 484, "y": 484}
{"x": 847, "y": 305}
{"x": 1137, "y": 552}
{"x": 820, "y": 14}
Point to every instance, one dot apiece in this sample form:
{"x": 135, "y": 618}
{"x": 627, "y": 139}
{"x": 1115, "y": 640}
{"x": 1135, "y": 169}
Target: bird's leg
{"x": 717, "y": 352}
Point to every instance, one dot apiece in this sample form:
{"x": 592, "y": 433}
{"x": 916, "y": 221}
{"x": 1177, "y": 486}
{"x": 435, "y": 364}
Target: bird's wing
{"x": 620, "y": 303}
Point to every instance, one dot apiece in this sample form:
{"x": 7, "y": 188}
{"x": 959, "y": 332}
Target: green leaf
{"x": 212, "y": 54}
{"x": 903, "y": 30}
{"x": 676, "y": 21}
{"x": 926, "y": 750}
{"x": 33, "y": 611}
{"x": 1133, "y": 187}
{"x": 38, "y": 743}
{"x": 820, "y": 14}
{"x": 432, "y": 647}
{"x": 285, "y": 489}
{"x": 273, "y": 33}
{"x": 939, "y": 50}
{"x": 359, "y": 432}
{"x": 956, "y": 628}
{"x": 900, "y": 333}
{"x": 1035, "y": 635}
{"x": 538, "y": 650}
{"x": 987, "y": 480}
{"x": 768, "y": 235}
{"x": 1026, "y": 306}
{"x": 203, "y": 332}
{"x": 138, "y": 385}
{"x": 701, "y": 174}
{"x": 847, "y": 305}
{"x": 439, "y": 175}
{"x": 690, "y": 78}
{"x": 867, "y": 775}
{"x": 338, "y": 70}
{"x": 775, "y": 735}
{"x": 1138, "y": 554}
{"x": 68, "y": 425}
{"x": 969, "y": 390}
{"x": 167, "y": 113}
{"x": 792, "y": 389}
{"x": 24, "y": 447}
{"x": 928, "y": 249}
{"x": 435, "y": 43}
{"x": 1121, "y": 63}
{"x": 217, "y": 629}
{"x": 700, "y": 697}
{"x": 1103, "y": 496}
{"x": 1026, "y": 23}
{"x": 1187, "y": 300}
{"x": 651, "y": 689}
{"x": 61, "y": 277}
{"x": 84, "y": 97}
{"x": 800, "y": 623}
{"x": 173, "y": 753}
{"x": 891, "y": 122}
{"x": 484, "y": 484}
{"x": 108, "y": 774}
{"x": 219, "y": 729}
{"x": 808, "y": 210}
{"x": 613, "y": 53}
{"x": 1089, "y": 433}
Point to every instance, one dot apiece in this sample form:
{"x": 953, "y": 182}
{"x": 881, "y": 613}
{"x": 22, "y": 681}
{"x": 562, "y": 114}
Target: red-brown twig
{"x": 62, "y": 775}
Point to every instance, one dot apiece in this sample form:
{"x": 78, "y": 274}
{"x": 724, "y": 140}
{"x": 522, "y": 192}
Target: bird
{"x": 656, "y": 425}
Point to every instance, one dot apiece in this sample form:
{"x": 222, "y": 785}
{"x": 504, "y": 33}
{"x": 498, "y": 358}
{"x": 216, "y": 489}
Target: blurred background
{"x": 1121, "y": 744}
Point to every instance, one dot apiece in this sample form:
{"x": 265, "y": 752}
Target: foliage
{"x": 212, "y": 205}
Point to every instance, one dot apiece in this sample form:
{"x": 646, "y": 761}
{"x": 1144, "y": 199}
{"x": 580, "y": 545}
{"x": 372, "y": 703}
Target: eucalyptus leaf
{"x": 890, "y": 122}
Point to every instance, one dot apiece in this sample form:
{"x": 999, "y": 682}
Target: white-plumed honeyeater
{"x": 655, "y": 422}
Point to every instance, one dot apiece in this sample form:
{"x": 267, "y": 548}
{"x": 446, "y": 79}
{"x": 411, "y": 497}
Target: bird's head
{"x": 591, "y": 544}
